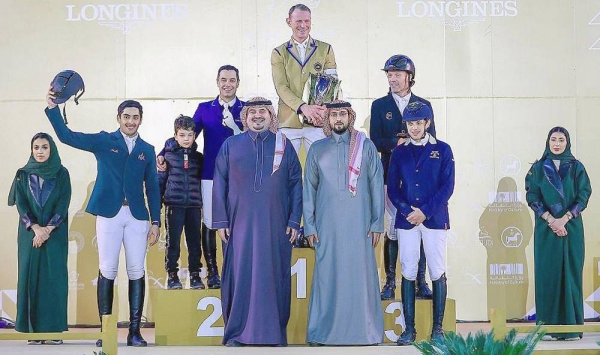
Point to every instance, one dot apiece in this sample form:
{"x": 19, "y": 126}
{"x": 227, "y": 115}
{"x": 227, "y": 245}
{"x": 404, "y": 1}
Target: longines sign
{"x": 457, "y": 14}
{"x": 126, "y": 17}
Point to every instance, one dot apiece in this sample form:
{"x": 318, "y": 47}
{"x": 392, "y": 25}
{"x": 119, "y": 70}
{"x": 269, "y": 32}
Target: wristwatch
{"x": 569, "y": 215}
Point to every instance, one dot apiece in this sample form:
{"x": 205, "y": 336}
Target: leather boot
{"x": 137, "y": 290}
{"x": 407, "y": 290}
{"x": 105, "y": 294}
{"x": 423, "y": 291}
{"x": 390, "y": 257}
{"x": 209, "y": 248}
{"x": 440, "y": 291}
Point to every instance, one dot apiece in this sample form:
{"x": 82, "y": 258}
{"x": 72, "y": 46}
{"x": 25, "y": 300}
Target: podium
{"x": 393, "y": 319}
{"x": 194, "y": 317}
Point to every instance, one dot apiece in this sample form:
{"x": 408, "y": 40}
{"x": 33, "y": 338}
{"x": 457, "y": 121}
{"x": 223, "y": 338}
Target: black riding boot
{"x": 390, "y": 256}
{"x": 209, "y": 248}
{"x": 105, "y": 296}
{"x": 440, "y": 291}
{"x": 407, "y": 290}
{"x": 137, "y": 290}
{"x": 423, "y": 291}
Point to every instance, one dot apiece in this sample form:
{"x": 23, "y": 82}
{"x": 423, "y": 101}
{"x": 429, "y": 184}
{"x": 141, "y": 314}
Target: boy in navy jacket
{"x": 420, "y": 183}
{"x": 181, "y": 194}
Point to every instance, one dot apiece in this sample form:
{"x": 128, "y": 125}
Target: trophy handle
{"x": 305, "y": 98}
{"x": 306, "y": 91}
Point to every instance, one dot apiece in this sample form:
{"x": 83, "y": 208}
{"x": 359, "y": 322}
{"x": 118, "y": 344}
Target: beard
{"x": 339, "y": 130}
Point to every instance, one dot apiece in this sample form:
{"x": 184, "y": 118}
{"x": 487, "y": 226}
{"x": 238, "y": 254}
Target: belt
{"x": 125, "y": 203}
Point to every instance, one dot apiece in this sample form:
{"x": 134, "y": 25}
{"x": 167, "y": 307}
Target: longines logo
{"x": 457, "y": 14}
{"x": 126, "y": 17}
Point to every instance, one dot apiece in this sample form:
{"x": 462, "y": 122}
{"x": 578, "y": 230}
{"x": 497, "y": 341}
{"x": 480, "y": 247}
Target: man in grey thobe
{"x": 343, "y": 205}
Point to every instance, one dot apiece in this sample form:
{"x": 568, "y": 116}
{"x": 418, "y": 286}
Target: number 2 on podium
{"x": 207, "y": 328}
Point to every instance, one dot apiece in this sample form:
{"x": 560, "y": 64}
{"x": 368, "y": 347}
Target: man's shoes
{"x": 234, "y": 343}
{"x": 423, "y": 291}
{"x": 137, "y": 291}
{"x": 34, "y": 342}
{"x": 388, "y": 292}
{"x": 134, "y": 338}
{"x": 213, "y": 280}
{"x": 549, "y": 338}
{"x": 437, "y": 334}
{"x": 407, "y": 337}
{"x": 173, "y": 283}
{"x": 53, "y": 342}
{"x": 196, "y": 281}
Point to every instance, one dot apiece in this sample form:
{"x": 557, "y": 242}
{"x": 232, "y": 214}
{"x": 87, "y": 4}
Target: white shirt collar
{"x": 422, "y": 142}
{"x": 131, "y": 139}
{"x": 399, "y": 98}
{"x": 303, "y": 44}
{"x": 229, "y": 104}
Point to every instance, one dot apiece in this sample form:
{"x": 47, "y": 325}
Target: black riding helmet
{"x": 65, "y": 84}
{"x": 401, "y": 62}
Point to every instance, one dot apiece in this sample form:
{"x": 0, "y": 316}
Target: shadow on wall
{"x": 84, "y": 278}
{"x": 505, "y": 229}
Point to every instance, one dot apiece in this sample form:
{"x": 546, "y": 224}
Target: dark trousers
{"x": 177, "y": 219}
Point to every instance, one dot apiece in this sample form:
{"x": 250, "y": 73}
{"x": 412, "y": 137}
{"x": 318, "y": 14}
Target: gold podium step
{"x": 194, "y": 317}
{"x": 393, "y": 318}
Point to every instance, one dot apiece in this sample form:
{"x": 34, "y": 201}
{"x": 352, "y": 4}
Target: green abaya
{"x": 558, "y": 260}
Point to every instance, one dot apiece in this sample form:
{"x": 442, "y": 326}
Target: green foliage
{"x": 482, "y": 344}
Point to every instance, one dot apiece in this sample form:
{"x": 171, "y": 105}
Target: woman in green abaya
{"x": 558, "y": 189}
{"x": 41, "y": 191}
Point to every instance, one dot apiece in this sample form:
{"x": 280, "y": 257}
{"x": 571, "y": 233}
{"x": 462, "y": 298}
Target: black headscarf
{"x": 566, "y": 155}
{"x": 45, "y": 170}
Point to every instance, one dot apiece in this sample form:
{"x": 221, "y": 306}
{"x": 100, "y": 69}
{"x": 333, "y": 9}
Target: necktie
{"x": 402, "y": 102}
{"x": 130, "y": 142}
{"x": 228, "y": 117}
{"x": 301, "y": 51}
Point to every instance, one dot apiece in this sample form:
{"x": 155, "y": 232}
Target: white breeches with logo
{"x": 434, "y": 244}
{"x": 131, "y": 233}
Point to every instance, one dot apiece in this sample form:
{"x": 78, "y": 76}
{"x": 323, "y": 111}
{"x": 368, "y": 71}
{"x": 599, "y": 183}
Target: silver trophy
{"x": 321, "y": 89}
